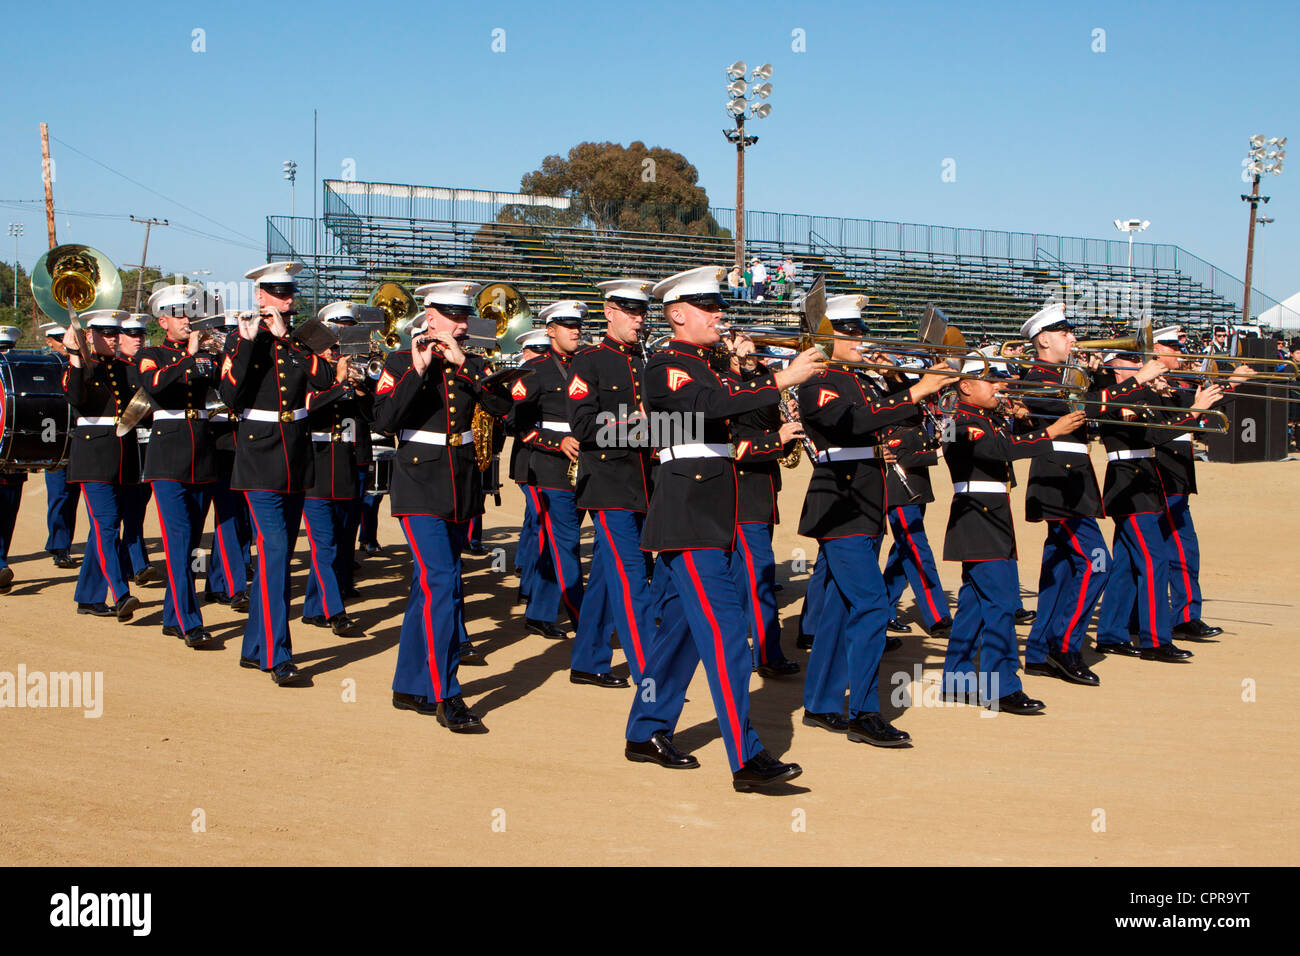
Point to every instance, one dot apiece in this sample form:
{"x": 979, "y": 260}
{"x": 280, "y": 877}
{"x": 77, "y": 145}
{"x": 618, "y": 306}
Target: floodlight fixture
{"x": 763, "y": 72}
{"x": 761, "y": 110}
{"x": 736, "y": 88}
{"x": 737, "y": 70}
{"x": 763, "y": 90}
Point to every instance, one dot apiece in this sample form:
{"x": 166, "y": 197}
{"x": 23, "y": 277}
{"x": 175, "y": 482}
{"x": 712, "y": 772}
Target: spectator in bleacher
{"x": 734, "y": 280}
{"x": 780, "y": 287}
{"x": 789, "y": 269}
{"x": 758, "y": 271}
{"x": 747, "y": 284}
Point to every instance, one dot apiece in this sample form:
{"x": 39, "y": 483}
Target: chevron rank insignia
{"x": 678, "y": 377}
{"x": 578, "y": 388}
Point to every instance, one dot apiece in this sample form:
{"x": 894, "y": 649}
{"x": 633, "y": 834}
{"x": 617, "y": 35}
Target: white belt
{"x": 979, "y": 487}
{"x": 1186, "y": 436}
{"x": 846, "y": 454}
{"x": 1077, "y": 447}
{"x": 91, "y": 422}
{"x": 165, "y": 415}
{"x": 329, "y": 436}
{"x": 262, "y": 415}
{"x": 694, "y": 450}
{"x": 555, "y": 426}
{"x": 1124, "y": 453}
{"x": 434, "y": 438}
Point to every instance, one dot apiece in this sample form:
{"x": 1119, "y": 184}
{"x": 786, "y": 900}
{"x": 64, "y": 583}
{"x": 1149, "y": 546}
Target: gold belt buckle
{"x": 191, "y": 413}
{"x": 286, "y": 417}
{"x": 453, "y": 438}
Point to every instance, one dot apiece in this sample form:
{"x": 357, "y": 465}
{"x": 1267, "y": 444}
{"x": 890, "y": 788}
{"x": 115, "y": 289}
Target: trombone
{"x": 764, "y": 337}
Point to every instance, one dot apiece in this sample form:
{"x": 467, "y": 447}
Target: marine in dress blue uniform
{"x": 427, "y": 397}
{"x": 691, "y": 523}
{"x": 533, "y": 344}
{"x": 101, "y": 462}
{"x": 131, "y": 338}
{"x": 61, "y": 498}
{"x": 229, "y": 556}
{"x": 266, "y": 379}
{"x": 11, "y": 484}
{"x": 180, "y": 462}
{"x": 606, "y": 411}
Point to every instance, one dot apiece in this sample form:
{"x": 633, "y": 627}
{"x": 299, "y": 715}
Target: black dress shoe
{"x": 286, "y": 674}
{"x": 781, "y": 668}
{"x": 62, "y": 559}
{"x": 456, "y": 717}
{"x": 898, "y": 627}
{"x": 835, "y": 723}
{"x": 6, "y": 578}
{"x": 1019, "y": 703}
{"x": 415, "y": 702}
{"x": 170, "y": 630}
{"x": 341, "y": 624}
{"x": 942, "y": 627}
{"x": 145, "y": 575}
{"x": 875, "y": 730}
{"x": 596, "y": 680}
{"x": 319, "y": 620}
{"x": 371, "y": 548}
{"x": 546, "y": 629}
{"x": 1040, "y": 669}
{"x": 477, "y": 550}
{"x": 212, "y": 597}
{"x": 469, "y": 654}
{"x": 1025, "y": 617}
{"x": 763, "y": 770}
{"x": 251, "y": 663}
{"x": 197, "y": 637}
{"x": 99, "y": 610}
{"x": 351, "y": 594}
{"x": 892, "y": 644}
{"x": 125, "y": 607}
{"x": 1070, "y": 666}
{"x": 1196, "y": 630}
{"x": 239, "y": 602}
{"x": 659, "y": 749}
{"x": 1123, "y": 650}
{"x": 804, "y": 642}
{"x": 1167, "y": 653}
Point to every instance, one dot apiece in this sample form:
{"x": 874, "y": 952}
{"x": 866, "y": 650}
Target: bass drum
{"x": 34, "y": 412}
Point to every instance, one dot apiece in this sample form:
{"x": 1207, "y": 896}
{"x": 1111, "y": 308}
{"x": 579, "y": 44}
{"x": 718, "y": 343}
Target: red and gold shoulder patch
{"x": 895, "y": 442}
{"x": 974, "y": 432}
{"x": 226, "y": 369}
{"x": 825, "y": 396}
{"x": 741, "y": 448}
{"x": 519, "y": 390}
{"x": 578, "y": 388}
{"x": 677, "y": 377}
{"x": 147, "y": 365}
{"x": 1127, "y": 414}
{"x": 385, "y": 384}
{"x": 531, "y": 435}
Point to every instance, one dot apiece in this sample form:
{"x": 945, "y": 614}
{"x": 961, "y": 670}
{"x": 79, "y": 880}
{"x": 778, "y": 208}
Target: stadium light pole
{"x": 740, "y": 103}
{"x": 291, "y": 174}
{"x": 1265, "y": 156}
{"x": 15, "y": 230}
{"x": 1131, "y": 226}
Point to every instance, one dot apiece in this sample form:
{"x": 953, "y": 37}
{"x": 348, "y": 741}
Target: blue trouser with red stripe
{"x": 1070, "y": 581}
{"x": 985, "y": 622}
{"x": 276, "y": 519}
{"x": 558, "y": 576}
{"x": 135, "y": 502}
{"x": 368, "y": 532}
{"x": 753, "y": 568}
{"x": 1139, "y": 575}
{"x": 61, "y": 509}
{"x": 475, "y": 533}
{"x": 325, "y": 521}
{"x": 182, "y": 512}
{"x": 228, "y": 557}
{"x": 850, "y": 635}
{"x": 814, "y": 597}
{"x": 616, "y": 598}
{"x": 102, "y": 571}
{"x": 11, "y": 498}
{"x": 428, "y": 651}
{"x": 1184, "y": 559}
{"x": 530, "y": 544}
{"x": 911, "y": 561}
{"x": 703, "y": 622}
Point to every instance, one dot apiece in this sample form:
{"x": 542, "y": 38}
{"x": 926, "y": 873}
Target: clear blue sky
{"x": 1047, "y": 135}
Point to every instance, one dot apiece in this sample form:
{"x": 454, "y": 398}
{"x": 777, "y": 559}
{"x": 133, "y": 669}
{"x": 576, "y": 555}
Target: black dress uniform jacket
{"x": 756, "y": 436}
{"x": 980, "y": 526}
{"x": 428, "y": 479}
{"x": 1176, "y": 459}
{"x": 180, "y": 449}
{"x": 102, "y": 390}
{"x": 540, "y": 398}
{"x": 840, "y": 409}
{"x": 914, "y": 447}
{"x": 606, "y": 387}
{"x": 1133, "y": 484}
{"x": 694, "y": 500}
{"x": 273, "y": 376}
{"x": 345, "y": 417}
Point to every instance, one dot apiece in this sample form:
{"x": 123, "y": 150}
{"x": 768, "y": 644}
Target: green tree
{"x": 613, "y": 187}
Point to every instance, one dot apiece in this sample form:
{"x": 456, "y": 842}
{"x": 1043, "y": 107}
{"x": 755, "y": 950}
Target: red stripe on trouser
{"x": 315, "y": 567}
{"x": 428, "y": 611}
{"x": 753, "y": 598}
{"x": 171, "y": 579}
{"x": 537, "y": 511}
{"x": 1083, "y": 592}
{"x": 221, "y": 550}
{"x": 99, "y": 548}
{"x": 719, "y": 657}
{"x": 261, "y": 581}
{"x": 559, "y": 570}
{"x": 1151, "y": 583}
{"x": 627, "y": 595}
{"x": 1182, "y": 565}
{"x": 920, "y": 568}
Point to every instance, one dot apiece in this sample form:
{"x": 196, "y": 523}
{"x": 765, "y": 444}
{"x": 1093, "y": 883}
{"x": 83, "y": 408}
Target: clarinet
{"x": 790, "y": 413}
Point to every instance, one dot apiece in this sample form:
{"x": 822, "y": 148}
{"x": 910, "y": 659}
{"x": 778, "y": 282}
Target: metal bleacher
{"x": 988, "y": 282}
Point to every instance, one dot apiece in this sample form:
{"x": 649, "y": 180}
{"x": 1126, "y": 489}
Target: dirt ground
{"x": 197, "y": 761}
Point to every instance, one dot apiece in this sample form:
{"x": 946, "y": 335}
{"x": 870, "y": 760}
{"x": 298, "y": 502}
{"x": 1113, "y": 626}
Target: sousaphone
{"x": 73, "y": 278}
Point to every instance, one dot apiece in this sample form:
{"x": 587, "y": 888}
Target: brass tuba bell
{"x": 506, "y": 306}
{"x": 77, "y": 277}
{"x": 399, "y": 307}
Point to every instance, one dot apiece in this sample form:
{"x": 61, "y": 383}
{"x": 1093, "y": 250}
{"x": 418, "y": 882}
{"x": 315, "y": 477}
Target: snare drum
{"x": 379, "y": 473}
{"x": 34, "y": 411}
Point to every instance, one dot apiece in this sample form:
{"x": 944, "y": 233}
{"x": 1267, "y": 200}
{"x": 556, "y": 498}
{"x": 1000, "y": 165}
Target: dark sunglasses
{"x": 281, "y": 290}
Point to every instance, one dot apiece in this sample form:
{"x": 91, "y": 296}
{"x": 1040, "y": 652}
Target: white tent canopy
{"x": 1284, "y": 315}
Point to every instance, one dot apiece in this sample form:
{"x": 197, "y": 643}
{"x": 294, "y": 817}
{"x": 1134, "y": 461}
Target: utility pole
{"x": 1265, "y": 156}
{"x": 144, "y": 256}
{"x": 49, "y": 183}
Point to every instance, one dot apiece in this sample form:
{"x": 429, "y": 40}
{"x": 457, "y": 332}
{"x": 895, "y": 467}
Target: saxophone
{"x": 482, "y": 425}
